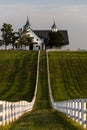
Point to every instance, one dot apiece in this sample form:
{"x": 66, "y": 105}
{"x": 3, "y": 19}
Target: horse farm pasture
{"x": 17, "y": 82}
{"x": 17, "y": 75}
{"x": 68, "y": 75}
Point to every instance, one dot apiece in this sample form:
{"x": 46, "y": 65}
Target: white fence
{"x": 11, "y": 111}
{"x": 75, "y": 109}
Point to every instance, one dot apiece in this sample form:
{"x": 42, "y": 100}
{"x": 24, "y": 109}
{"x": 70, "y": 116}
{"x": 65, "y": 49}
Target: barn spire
{"x": 54, "y": 27}
{"x": 27, "y": 25}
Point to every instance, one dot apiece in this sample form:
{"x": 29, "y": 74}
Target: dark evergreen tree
{"x": 55, "y": 39}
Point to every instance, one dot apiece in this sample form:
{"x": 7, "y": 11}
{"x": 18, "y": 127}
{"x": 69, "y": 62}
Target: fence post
{"x": 1, "y": 112}
{"x": 70, "y": 108}
{"x": 66, "y": 107}
{"x": 17, "y": 110}
{"x": 3, "y": 120}
{"x": 13, "y": 111}
{"x": 20, "y": 104}
{"x": 73, "y": 111}
{"x": 76, "y": 110}
{"x": 83, "y": 113}
{"x": 7, "y": 112}
{"x": 68, "y": 111}
{"x": 79, "y": 112}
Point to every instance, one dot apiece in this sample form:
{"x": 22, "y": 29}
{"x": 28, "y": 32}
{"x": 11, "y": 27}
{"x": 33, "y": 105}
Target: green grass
{"x": 17, "y": 75}
{"x": 68, "y": 75}
{"x": 43, "y": 117}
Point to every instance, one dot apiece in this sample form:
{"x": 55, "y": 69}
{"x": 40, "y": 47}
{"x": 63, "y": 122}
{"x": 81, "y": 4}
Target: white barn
{"x": 40, "y": 38}
{"x": 38, "y": 43}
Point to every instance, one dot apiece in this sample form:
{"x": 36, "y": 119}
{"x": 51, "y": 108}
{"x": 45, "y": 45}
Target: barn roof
{"x": 44, "y": 34}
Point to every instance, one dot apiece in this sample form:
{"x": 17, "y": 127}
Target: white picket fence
{"x": 75, "y": 109}
{"x": 11, "y": 111}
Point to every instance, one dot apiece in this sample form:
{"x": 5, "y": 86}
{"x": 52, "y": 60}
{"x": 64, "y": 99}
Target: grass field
{"x": 43, "y": 117}
{"x": 17, "y": 75}
{"x": 68, "y": 75}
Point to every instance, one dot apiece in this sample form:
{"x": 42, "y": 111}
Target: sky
{"x": 70, "y": 15}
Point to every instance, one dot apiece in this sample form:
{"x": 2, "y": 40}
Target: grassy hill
{"x": 68, "y": 75}
{"x": 17, "y": 75}
{"x": 43, "y": 117}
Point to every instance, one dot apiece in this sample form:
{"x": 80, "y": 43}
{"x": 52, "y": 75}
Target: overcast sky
{"x": 69, "y": 15}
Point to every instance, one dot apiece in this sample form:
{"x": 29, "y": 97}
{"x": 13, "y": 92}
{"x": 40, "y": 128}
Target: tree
{"x": 24, "y": 40}
{"x": 55, "y": 39}
{"x": 13, "y": 38}
{"x": 7, "y": 34}
{"x": 1, "y": 42}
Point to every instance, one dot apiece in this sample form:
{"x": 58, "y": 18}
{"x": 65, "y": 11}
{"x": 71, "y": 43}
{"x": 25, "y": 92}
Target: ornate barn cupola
{"x": 54, "y": 27}
{"x": 27, "y": 25}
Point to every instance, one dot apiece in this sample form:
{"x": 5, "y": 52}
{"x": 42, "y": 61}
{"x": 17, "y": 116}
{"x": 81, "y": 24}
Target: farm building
{"x": 40, "y": 38}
